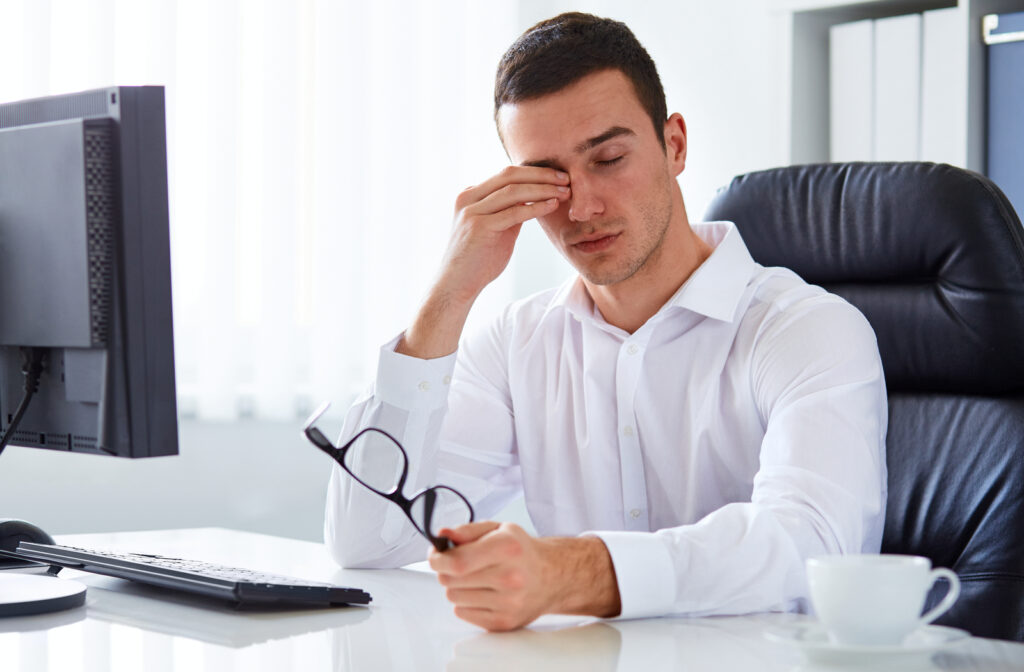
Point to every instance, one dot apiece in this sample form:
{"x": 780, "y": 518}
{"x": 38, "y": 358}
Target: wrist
{"x": 581, "y": 577}
{"x": 437, "y": 328}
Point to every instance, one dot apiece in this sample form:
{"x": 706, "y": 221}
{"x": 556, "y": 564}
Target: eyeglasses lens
{"x": 376, "y": 461}
{"x": 447, "y": 509}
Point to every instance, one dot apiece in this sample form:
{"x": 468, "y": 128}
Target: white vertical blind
{"x": 315, "y": 151}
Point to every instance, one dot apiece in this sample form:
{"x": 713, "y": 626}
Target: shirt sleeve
{"x": 453, "y": 417}
{"x": 820, "y": 489}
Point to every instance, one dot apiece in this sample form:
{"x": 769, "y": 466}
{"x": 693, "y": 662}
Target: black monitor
{"x": 86, "y": 338}
{"x": 85, "y": 277}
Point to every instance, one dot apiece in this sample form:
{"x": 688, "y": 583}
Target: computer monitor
{"x": 85, "y": 277}
{"x": 86, "y": 337}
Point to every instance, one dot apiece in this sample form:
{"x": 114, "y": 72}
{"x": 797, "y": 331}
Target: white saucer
{"x": 813, "y": 641}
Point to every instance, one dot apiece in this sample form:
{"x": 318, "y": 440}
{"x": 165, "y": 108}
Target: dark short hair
{"x": 562, "y": 50}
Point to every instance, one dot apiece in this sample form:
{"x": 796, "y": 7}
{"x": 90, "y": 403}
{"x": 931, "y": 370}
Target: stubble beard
{"x": 655, "y": 219}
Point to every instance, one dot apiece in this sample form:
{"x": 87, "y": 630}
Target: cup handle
{"x": 948, "y": 600}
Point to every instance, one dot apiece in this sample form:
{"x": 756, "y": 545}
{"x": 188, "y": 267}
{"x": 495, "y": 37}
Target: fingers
{"x": 473, "y": 598}
{"x": 494, "y": 581}
{"x": 463, "y": 534}
{"x": 486, "y": 227}
{"x": 494, "y": 577}
{"x": 492, "y": 548}
{"x": 505, "y": 219}
{"x": 493, "y": 610}
{"x": 514, "y": 194}
{"x": 512, "y": 175}
{"x": 488, "y": 619}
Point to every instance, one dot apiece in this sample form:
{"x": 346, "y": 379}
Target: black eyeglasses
{"x": 379, "y": 462}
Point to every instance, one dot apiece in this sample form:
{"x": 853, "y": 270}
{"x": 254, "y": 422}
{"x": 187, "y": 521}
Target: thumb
{"x": 463, "y": 534}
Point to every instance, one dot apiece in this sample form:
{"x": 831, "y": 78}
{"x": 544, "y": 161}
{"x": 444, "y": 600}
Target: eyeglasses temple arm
{"x": 442, "y": 544}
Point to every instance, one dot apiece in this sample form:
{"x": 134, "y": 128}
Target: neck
{"x": 630, "y": 303}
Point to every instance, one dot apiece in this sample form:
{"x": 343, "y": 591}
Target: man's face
{"x": 621, "y": 179}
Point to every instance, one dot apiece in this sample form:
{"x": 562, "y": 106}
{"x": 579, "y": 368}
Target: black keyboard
{"x": 241, "y": 586}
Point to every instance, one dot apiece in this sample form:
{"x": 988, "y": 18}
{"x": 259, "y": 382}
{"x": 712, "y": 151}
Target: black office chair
{"x": 934, "y": 258}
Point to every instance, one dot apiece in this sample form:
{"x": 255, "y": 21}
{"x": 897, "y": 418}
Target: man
{"x": 687, "y": 426}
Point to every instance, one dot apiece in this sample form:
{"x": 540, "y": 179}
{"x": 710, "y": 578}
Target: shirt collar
{"x": 713, "y": 290}
{"x": 717, "y": 285}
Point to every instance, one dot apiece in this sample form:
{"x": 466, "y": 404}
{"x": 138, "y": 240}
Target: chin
{"x": 604, "y": 277}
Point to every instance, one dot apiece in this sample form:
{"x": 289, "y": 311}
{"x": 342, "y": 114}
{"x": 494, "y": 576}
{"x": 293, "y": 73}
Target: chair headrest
{"x": 931, "y": 254}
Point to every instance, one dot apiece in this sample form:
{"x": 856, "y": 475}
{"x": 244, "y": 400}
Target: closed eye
{"x": 610, "y": 162}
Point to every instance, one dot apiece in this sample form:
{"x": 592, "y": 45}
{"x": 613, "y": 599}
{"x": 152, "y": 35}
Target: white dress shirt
{"x": 738, "y": 432}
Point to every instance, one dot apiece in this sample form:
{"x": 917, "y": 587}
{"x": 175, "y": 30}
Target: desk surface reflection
{"x": 409, "y": 626}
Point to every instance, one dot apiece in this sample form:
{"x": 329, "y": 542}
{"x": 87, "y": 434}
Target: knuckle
{"x": 470, "y": 222}
{"x": 511, "y": 528}
{"x": 511, "y": 547}
{"x": 514, "y": 580}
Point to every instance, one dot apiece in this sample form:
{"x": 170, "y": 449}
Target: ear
{"x": 675, "y": 143}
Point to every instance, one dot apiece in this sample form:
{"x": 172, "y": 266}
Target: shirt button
{"x": 424, "y": 386}
{"x": 447, "y": 380}
{"x": 627, "y": 431}
{"x": 633, "y": 349}
{"x": 635, "y": 513}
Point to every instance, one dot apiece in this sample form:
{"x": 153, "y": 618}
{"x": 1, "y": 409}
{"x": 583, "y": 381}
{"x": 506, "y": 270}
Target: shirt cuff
{"x": 644, "y": 571}
{"x": 411, "y": 383}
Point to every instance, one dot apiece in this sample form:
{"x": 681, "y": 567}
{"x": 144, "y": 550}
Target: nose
{"x": 584, "y": 201}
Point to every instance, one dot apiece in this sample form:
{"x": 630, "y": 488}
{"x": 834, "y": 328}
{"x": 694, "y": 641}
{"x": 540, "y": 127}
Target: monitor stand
{"x": 27, "y": 594}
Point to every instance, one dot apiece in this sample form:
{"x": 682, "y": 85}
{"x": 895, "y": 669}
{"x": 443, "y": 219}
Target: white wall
{"x": 253, "y": 475}
{"x": 723, "y": 67}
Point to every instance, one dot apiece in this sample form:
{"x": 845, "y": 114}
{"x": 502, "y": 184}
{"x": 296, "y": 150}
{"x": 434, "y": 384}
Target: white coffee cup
{"x": 875, "y": 600}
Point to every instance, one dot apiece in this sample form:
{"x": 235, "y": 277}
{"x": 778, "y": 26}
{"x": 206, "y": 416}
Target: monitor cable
{"x": 32, "y": 367}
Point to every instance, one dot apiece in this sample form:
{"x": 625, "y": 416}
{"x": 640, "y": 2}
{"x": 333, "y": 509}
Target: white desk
{"x": 409, "y": 626}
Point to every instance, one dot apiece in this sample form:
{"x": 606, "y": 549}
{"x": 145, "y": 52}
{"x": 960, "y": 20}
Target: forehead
{"x": 553, "y": 125}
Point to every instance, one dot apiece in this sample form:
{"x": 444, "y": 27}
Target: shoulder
{"x": 800, "y": 331}
{"x": 803, "y": 337}
{"x": 782, "y": 303}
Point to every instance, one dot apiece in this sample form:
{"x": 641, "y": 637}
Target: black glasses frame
{"x": 429, "y": 495}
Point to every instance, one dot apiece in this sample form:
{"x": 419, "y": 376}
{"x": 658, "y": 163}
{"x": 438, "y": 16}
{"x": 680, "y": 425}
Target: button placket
{"x": 634, "y": 486}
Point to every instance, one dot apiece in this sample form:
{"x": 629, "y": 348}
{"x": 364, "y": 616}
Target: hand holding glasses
{"x": 379, "y": 462}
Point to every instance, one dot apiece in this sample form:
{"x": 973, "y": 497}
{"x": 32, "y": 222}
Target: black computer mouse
{"x": 13, "y": 530}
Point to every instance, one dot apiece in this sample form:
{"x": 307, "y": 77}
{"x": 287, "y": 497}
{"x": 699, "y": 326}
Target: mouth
{"x": 598, "y": 244}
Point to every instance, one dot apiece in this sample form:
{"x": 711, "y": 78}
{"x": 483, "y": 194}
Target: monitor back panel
{"x": 52, "y": 242}
{"x": 108, "y": 385}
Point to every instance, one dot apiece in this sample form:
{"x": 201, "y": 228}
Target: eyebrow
{"x": 586, "y": 145}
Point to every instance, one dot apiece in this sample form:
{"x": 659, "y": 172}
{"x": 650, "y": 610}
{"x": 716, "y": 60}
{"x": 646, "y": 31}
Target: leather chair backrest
{"x": 934, "y": 257}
